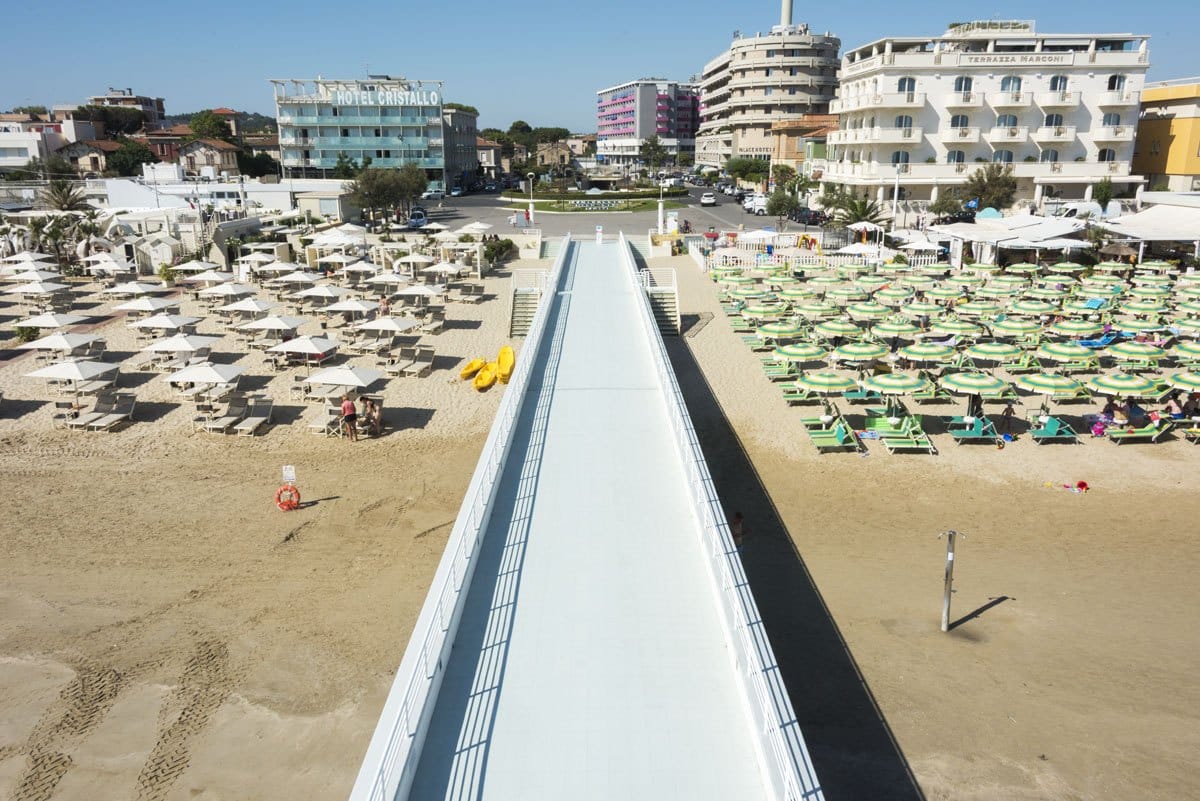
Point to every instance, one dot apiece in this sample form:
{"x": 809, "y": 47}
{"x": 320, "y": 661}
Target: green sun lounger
{"x": 1028, "y": 363}
{"x": 1192, "y": 434}
{"x": 910, "y": 437}
{"x": 781, "y": 371}
{"x": 838, "y": 438}
{"x": 1151, "y": 432}
{"x": 1053, "y": 430}
{"x": 981, "y": 429}
{"x": 862, "y": 395}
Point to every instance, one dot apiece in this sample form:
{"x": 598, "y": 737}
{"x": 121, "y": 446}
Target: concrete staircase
{"x": 665, "y": 305}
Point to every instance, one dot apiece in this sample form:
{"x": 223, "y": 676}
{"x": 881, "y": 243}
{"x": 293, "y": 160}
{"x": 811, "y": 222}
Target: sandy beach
{"x": 167, "y": 633}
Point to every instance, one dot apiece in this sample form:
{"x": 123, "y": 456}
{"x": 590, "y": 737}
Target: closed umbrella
{"x": 896, "y": 383}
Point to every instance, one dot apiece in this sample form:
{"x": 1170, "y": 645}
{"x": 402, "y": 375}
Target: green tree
{"x": 128, "y": 160}
{"x": 544, "y": 135}
{"x": 948, "y": 203}
{"x": 207, "y": 125}
{"x": 781, "y": 204}
{"x": 62, "y": 195}
{"x": 256, "y": 166}
{"x": 28, "y": 110}
{"x": 752, "y": 171}
{"x": 35, "y": 168}
{"x": 993, "y": 185}
{"x": 345, "y": 167}
{"x": 783, "y": 175}
{"x": 376, "y": 189}
{"x": 412, "y": 182}
{"x": 1102, "y": 192}
{"x": 118, "y": 120}
{"x": 519, "y": 128}
{"x": 461, "y": 107}
{"x": 853, "y": 210}
{"x": 652, "y": 152}
{"x": 685, "y": 158}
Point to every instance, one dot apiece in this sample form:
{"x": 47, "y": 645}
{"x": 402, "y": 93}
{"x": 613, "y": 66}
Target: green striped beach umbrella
{"x": 893, "y": 294}
{"x": 1157, "y": 265}
{"x": 1139, "y": 351}
{"x": 965, "y": 279}
{"x": 780, "y": 329}
{"x": 1111, "y": 267}
{"x": 1104, "y": 285}
{"x": 1078, "y": 307}
{"x": 825, "y": 382}
{"x": 1188, "y": 290}
{"x": 997, "y": 292}
{"x": 943, "y": 293}
{"x": 1064, "y": 352}
{"x": 799, "y": 352}
{"x": 845, "y": 294}
{"x": 893, "y": 268}
{"x": 796, "y": 292}
{"x": 1150, "y": 292}
{"x": 1076, "y": 328}
{"x": 871, "y": 283}
{"x": 838, "y": 328}
{"x": 889, "y": 329}
{"x": 920, "y": 307}
{"x": 1045, "y": 293}
{"x": 848, "y": 270}
{"x": 982, "y": 268}
{"x": 735, "y": 279}
{"x": 747, "y": 293}
{"x": 982, "y": 384}
{"x": 814, "y": 311}
{"x": 782, "y": 281}
{"x": 824, "y": 281}
{"x": 1035, "y": 307}
{"x": 1188, "y": 380}
{"x": 868, "y": 310}
{"x": 993, "y": 352}
{"x": 918, "y": 281}
{"x": 978, "y": 308}
{"x": 1009, "y": 280}
{"x": 1143, "y": 279}
{"x": 896, "y": 383}
{"x": 1134, "y": 325}
{"x": 1014, "y": 327}
{"x": 1188, "y": 307}
{"x": 955, "y": 328}
{"x": 927, "y": 352}
{"x": 1191, "y": 324}
{"x": 1187, "y": 351}
{"x": 1142, "y": 307}
{"x": 858, "y": 352}
{"x": 765, "y": 310}
{"x": 1022, "y": 268}
{"x": 1121, "y": 385}
{"x": 1066, "y": 267}
{"x": 1051, "y": 384}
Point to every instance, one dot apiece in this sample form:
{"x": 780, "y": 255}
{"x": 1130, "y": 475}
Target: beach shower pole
{"x": 950, "y": 536}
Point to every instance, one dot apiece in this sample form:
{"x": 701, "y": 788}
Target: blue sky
{"x": 535, "y": 60}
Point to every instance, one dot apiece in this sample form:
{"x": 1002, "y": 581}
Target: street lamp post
{"x": 531, "y": 176}
{"x": 660, "y": 208}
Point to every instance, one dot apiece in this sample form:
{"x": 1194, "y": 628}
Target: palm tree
{"x": 852, "y": 210}
{"x": 61, "y": 195}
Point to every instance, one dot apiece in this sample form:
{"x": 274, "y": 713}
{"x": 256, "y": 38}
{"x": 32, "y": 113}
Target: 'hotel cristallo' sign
{"x": 1016, "y": 58}
{"x": 417, "y": 97}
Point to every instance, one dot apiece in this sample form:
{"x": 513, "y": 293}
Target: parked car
{"x": 708, "y": 199}
{"x": 432, "y": 194}
{"x": 417, "y": 218}
{"x": 809, "y": 216}
{"x": 457, "y": 191}
{"x": 965, "y": 215}
{"x": 490, "y": 187}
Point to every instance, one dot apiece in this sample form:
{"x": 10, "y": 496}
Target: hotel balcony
{"x": 1007, "y": 136}
{"x": 1070, "y": 169}
{"x": 889, "y": 100}
{"x": 962, "y": 136}
{"x": 1058, "y": 100}
{"x": 1113, "y": 133}
{"x": 1010, "y": 99}
{"x": 964, "y": 100}
{"x": 1054, "y": 133}
{"x": 1122, "y": 98}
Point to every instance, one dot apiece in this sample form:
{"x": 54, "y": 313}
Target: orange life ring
{"x": 288, "y": 498}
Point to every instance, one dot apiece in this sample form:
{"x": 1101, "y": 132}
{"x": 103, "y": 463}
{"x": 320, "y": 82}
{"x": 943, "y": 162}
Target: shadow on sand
{"x": 852, "y": 747}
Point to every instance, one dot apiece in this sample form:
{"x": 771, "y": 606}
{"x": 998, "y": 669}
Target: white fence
{"x": 395, "y": 748}
{"x": 781, "y": 745}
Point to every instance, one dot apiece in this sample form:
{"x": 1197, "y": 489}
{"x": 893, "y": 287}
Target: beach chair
{"x": 405, "y": 359}
{"x": 840, "y": 437}
{"x": 435, "y": 323}
{"x": 1101, "y": 341}
{"x": 830, "y": 414}
{"x": 300, "y": 389}
{"x": 976, "y": 429}
{"x": 1053, "y": 430}
{"x": 258, "y": 415}
{"x": 910, "y": 437}
{"x": 328, "y": 422}
{"x": 105, "y": 403}
{"x": 64, "y": 413}
{"x": 780, "y": 371}
{"x": 473, "y": 294}
{"x": 1027, "y": 363}
{"x": 122, "y": 412}
{"x": 1153, "y": 431}
{"x": 933, "y": 394}
{"x": 861, "y": 395}
{"x": 422, "y": 364}
{"x": 1080, "y": 366}
{"x": 1192, "y": 434}
{"x": 794, "y": 394}
{"x": 234, "y": 414}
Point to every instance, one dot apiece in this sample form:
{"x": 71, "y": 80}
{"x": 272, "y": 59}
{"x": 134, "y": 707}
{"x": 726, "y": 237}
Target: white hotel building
{"x": 924, "y": 113}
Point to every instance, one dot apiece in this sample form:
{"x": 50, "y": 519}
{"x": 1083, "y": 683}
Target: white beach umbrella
{"x": 353, "y": 305}
{"x": 476, "y": 227}
{"x": 277, "y": 267}
{"x": 309, "y": 346}
{"x": 273, "y": 323}
{"x": 249, "y": 306}
{"x": 924, "y": 246}
{"x": 360, "y": 267}
{"x": 422, "y": 291}
{"x": 446, "y": 236}
{"x": 83, "y": 370}
{"x": 435, "y": 227}
{"x": 182, "y": 343}
{"x": 337, "y": 258}
{"x": 346, "y": 377}
{"x": 130, "y": 288}
{"x": 52, "y": 320}
{"x": 256, "y": 258}
{"x": 387, "y": 278}
{"x": 394, "y": 325}
{"x": 147, "y": 304}
{"x": 34, "y": 275}
{"x": 858, "y": 249}
{"x": 38, "y": 288}
{"x": 230, "y": 290}
{"x": 864, "y": 226}
{"x": 26, "y": 257}
{"x": 166, "y": 322}
{"x": 442, "y": 268}
{"x": 206, "y": 373}
{"x": 297, "y": 277}
{"x": 195, "y": 266}
{"x": 59, "y": 341}
{"x": 209, "y": 277}
{"x": 323, "y": 291}
{"x": 111, "y": 267}
{"x": 417, "y": 258}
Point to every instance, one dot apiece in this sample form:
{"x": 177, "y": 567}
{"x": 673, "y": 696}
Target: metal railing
{"x": 785, "y": 757}
{"x": 388, "y": 768}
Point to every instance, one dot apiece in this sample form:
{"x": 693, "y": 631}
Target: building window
{"x": 899, "y": 156}
{"x": 768, "y": 90}
{"x": 956, "y": 157}
{"x": 1002, "y": 157}
{"x": 904, "y": 122}
{"x": 1116, "y": 83}
{"x": 1106, "y": 154}
{"x": 345, "y": 133}
{"x": 1006, "y": 121}
{"x": 906, "y": 85}
{"x": 1011, "y": 83}
{"x": 1059, "y": 84}
{"x": 963, "y": 84}
{"x": 1111, "y": 119}
{"x": 1050, "y": 156}
{"x": 1054, "y": 121}
{"x": 960, "y": 121}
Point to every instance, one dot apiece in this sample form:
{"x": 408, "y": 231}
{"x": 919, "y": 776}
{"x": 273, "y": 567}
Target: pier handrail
{"x": 785, "y": 757}
{"x": 388, "y": 767}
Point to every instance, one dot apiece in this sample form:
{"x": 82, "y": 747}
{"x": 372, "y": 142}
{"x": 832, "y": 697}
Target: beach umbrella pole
{"x": 950, "y": 537}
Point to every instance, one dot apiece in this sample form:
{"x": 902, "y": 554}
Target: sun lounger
{"x": 910, "y": 437}
{"x": 838, "y": 438}
{"x": 435, "y": 323}
{"x": 977, "y": 429}
{"x": 328, "y": 422}
{"x": 1028, "y": 363}
{"x": 1080, "y": 366}
{"x": 1101, "y": 342}
{"x": 234, "y": 414}
{"x": 258, "y": 415}
{"x": 1192, "y": 434}
{"x": 1153, "y": 431}
{"x": 794, "y": 394}
{"x": 780, "y": 371}
{"x": 862, "y": 395}
{"x": 422, "y": 364}
{"x": 829, "y": 415}
{"x": 405, "y": 359}
{"x": 105, "y": 404}
{"x": 122, "y": 412}
{"x": 1053, "y": 430}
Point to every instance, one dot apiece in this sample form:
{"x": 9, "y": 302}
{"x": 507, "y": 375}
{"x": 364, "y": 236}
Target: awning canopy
{"x": 1160, "y": 224}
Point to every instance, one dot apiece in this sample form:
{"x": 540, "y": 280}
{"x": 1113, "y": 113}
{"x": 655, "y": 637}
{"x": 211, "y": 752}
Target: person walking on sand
{"x": 349, "y": 418}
